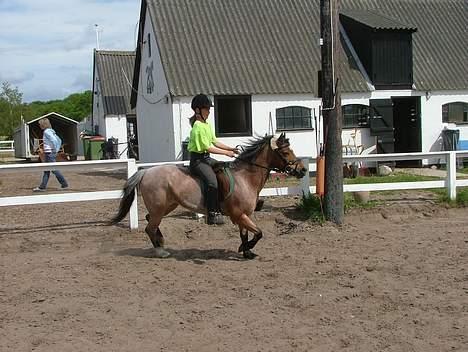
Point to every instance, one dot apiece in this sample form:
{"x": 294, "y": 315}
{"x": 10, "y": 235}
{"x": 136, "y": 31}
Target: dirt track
{"x": 391, "y": 279}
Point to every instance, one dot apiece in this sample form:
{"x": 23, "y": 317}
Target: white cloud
{"x": 46, "y": 47}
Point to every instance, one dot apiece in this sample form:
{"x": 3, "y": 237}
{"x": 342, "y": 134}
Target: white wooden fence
{"x": 450, "y": 182}
{"x": 7, "y": 146}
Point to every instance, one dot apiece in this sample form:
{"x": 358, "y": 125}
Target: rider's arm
{"x": 216, "y": 150}
{"x": 220, "y": 145}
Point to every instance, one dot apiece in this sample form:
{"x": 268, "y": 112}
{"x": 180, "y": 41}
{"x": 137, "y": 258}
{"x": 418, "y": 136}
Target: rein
{"x": 260, "y": 166}
{"x": 286, "y": 168}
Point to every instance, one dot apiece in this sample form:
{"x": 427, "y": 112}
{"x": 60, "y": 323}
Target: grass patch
{"x": 282, "y": 180}
{"x": 287, "y": 181}
{"x": 463, "y": 170}
{"x": 310, "y": 205}
{"x": 461, "y": 201}
{"x": 396, "y": 177}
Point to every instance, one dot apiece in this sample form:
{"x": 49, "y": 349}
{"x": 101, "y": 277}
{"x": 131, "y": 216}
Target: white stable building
{"x": 403, "y": 73}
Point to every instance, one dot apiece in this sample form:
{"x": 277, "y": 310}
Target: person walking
{"x": 51, "y": 145}
{"x": 202, "y": 142}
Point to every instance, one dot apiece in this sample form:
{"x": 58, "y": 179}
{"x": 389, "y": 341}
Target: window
{"x": 455, "y": 112}
{"x": 149, "y": 45}
{"x": 355, "y": 115}
{"x": 293, "y": 118}
{"x": 233, "y": 115}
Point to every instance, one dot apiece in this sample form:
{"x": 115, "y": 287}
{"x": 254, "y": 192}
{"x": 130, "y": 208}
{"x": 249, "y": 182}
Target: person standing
{"x": 51, "y": 145}
{"x": 202, "y": 142}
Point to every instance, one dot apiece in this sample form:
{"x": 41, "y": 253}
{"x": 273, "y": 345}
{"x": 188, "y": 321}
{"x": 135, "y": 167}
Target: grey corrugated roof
{"x": 115, "y": 88}
{"x": 375, "y": 20}
{"x": 271, "y": 46}
{"x": 440, "y": 43}
{"x": 242, "y": 47}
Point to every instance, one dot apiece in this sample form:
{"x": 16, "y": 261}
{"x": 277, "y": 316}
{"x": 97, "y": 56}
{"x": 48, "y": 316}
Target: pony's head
{"x": 284, "y": 158}
{"x": 280, "y": 156}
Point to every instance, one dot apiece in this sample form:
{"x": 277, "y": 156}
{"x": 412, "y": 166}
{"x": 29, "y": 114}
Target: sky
{"x": 46, "y": 46}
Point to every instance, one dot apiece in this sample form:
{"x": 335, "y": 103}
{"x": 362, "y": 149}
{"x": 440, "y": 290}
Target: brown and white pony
{"x": 165, "y": 187}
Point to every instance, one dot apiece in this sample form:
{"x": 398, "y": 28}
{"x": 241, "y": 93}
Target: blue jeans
{"x": 51, "y": 158}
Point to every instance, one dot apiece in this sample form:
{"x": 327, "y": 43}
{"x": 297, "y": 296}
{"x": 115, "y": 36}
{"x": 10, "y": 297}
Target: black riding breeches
{"x": 201, "y": 166}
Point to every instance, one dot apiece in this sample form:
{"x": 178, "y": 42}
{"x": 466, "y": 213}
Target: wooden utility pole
{"x": 332, "y": 116}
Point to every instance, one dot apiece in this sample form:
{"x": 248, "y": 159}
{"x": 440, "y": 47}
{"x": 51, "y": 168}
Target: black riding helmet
{"x": 201, "y": 101}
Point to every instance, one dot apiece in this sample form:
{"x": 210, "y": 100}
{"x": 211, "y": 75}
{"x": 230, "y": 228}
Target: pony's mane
{"x": 253, "y": 147}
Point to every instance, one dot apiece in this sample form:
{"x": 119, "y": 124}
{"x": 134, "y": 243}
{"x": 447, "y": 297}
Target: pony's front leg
{"x": 246, "y": 224}
{"x": 244, "y": 236}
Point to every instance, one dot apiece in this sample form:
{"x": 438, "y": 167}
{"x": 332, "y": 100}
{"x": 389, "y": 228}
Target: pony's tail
{"x": 128, "y": 196}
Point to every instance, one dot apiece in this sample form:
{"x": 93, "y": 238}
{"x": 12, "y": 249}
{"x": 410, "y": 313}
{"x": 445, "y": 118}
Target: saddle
{"x": 224, "y": 177}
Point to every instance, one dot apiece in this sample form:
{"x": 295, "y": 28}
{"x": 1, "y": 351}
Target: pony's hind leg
{"x": 153, "y": 231}
{"x": 156, "y": 237}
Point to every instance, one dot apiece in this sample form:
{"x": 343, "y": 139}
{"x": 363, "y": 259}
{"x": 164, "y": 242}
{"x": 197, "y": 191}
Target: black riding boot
{"x": 214, "y": 216}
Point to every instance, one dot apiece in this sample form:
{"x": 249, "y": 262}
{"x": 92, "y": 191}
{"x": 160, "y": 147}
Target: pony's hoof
{"x": 161, "y": 252}
{"x": 245, "y": 247}
{"x": 249, "y": 254}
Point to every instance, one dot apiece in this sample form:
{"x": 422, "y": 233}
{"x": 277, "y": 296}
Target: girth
{"x": 226, "y": 182}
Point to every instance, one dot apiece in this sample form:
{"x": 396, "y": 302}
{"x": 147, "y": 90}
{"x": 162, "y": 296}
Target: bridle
{"x": 288, "y": 164}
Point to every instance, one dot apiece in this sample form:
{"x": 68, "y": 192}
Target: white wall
{"x": 264, "y": 106}
{"x": 116, "y": 127}
{"x": 181, "y": 124}
{"x": 303, "y": 142}
{"x": 154, "y": 110}
{"x": 431, "y": 112}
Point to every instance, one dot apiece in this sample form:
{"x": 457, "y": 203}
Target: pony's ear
{"x": 282, "y": 137}
{"x": 273, "y": 142}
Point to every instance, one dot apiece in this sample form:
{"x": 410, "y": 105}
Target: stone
{"x": 385, "y": 170}
{"x": 361, "y": 196}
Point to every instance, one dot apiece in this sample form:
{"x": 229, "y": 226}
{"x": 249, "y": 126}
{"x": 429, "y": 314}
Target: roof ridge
{"x": 391, "y": 18}
{"x": 116, "y": 52}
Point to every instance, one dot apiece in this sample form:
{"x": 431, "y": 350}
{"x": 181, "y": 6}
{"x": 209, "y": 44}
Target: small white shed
{"x": 28, "y": 135}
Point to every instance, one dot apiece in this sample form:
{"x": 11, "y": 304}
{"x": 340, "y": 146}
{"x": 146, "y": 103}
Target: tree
{"x": 76, "y": 106}
{"x": 10, "y": 108}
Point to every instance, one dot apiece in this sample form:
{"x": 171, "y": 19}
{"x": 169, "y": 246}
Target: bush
{"x": 311, "y": 206}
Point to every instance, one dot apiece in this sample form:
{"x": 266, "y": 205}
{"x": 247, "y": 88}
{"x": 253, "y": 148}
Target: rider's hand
{"x": 236, "y": 151}
{"x": 230, "y": 153}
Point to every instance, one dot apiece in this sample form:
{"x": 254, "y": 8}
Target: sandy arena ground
{"x": 390, "y": 279}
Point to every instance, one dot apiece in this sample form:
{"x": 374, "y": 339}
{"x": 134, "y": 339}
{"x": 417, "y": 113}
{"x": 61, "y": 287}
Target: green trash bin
{"x": 86, "y": 149}
{"x": 95, "y": 148}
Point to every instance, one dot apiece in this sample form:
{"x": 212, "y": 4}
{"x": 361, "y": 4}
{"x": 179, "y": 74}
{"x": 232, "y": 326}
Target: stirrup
{"x": 214, "y": 218}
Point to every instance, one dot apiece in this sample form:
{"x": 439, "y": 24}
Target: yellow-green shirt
{"x": 202, "y": 137}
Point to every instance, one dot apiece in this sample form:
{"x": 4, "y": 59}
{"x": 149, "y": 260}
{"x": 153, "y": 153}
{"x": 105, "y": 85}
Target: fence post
{"x": 451, "y": 181}
{"x": 305, "y": 181}
{"x": 133, "y": 216}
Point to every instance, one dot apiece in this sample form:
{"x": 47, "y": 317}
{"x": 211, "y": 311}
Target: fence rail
{"x": 450, "y": 182}
{"x": 7, "y": 146}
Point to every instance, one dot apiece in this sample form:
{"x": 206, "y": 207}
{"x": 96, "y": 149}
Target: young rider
{"x": 202, "y": 142}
